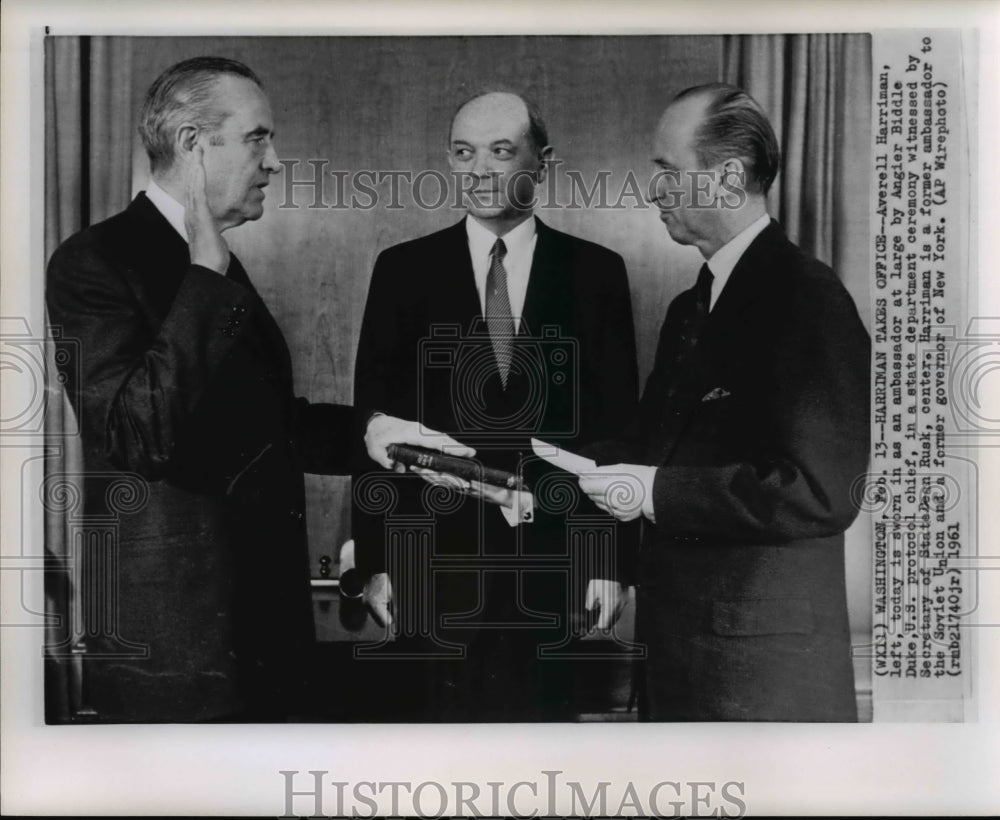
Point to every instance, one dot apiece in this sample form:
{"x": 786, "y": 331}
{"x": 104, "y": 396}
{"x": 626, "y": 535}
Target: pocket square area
{"x": 717, "y": 393}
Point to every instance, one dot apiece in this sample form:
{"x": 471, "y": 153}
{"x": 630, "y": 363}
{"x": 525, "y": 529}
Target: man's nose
{"x": 270, "y": 163}
{"x": 481, "y": 166}
{"x": 656, "y": 189}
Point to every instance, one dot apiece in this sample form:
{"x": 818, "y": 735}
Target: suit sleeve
{"x": 616, "y": 371}
{"x": 381, "y": 384}
{"x": 616, "y": 395}
{"x": 812, "y": 442}
{"x": 138, "y": 387}
{"x": 324, "y": 433}
{"x": 626, "y": 443}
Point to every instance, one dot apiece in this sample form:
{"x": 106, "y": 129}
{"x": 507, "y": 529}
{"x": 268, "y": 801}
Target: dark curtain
{"x": 816, "y": 88}
{"x": 88, "y": 171}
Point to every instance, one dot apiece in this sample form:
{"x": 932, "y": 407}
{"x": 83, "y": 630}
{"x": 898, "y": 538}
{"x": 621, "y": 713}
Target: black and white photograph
{"x": 451, "y": 388}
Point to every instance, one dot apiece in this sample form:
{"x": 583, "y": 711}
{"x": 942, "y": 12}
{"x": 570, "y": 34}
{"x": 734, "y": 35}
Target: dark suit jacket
{"x": 424, "y": 354}
{"x": 183, "y": 388}
{"x": 759, "y": 433}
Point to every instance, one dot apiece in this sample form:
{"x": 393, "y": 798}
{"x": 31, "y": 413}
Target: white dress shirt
{"x": 520, "y": 243}
{"x": 725, "y": 258}
{"x": 171, "y": 209}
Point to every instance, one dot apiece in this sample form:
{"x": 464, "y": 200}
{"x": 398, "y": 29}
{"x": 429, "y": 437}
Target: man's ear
{"x": 185, "y": 139}
{"x": 731, "y": 190}
{"x": 733, "y": 176}
{"x": 544, "y": 156}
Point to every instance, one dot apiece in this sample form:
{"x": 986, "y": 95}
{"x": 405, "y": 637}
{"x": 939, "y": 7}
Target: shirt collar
{"x": 722, "y": 262}
{"x": 171, "y": 209}
{"x": 517, "y": 240}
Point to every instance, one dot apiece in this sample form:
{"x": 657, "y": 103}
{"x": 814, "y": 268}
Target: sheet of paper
{"x": 563, "y": 459}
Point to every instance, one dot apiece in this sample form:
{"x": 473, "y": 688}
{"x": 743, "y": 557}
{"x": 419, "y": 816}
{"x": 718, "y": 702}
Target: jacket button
{"x": 295, "y": 514}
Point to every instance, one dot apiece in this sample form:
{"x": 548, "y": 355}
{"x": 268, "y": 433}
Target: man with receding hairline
{"x": 753, "y": 428}
{"x": 520, "y": 300}
{"x": 185, "y": 388}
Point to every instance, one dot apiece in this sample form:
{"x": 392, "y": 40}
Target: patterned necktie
{"x": 692, "y": 324}
{"x": 703, "y": 291}
{"x": 498, "y": 315}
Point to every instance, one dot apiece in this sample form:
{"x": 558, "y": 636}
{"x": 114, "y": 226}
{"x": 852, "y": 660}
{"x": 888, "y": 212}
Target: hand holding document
{"x": 563, "y": 459}
{"x": 383, "y": 431}
{"x": 624, "y": 491}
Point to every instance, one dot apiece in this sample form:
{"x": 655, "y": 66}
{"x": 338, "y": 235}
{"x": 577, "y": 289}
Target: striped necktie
{"x": 498, "y": 316}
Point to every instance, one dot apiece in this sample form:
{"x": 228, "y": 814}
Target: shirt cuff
{"x": 647, "y": 501}
{"x": 522, "y": 511}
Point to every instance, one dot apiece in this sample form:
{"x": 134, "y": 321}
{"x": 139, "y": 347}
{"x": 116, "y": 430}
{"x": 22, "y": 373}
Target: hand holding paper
{"x": 624, "y": 491}
{"x": 563, "y": 459}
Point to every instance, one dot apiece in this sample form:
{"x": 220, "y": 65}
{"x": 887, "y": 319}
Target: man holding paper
{"x": 494, "y": 330}
{"x": 753, "y": 428}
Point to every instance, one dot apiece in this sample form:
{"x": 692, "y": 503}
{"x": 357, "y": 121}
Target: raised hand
{"x": 208, "y": 248}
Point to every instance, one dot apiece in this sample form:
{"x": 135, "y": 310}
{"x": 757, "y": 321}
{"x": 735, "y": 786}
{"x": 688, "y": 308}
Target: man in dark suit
{"x": 494, "y": 330}
{"x": 185, "y": 395}
{"x": 753, "y": 429}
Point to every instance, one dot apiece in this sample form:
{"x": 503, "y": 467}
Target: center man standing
{"x": 493, "y": 330}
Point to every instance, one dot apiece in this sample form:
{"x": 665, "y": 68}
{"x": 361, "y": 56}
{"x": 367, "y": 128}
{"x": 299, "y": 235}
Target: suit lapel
{"x": 457, "y": 299}
{"x": 746, "y": 285}
{"x": 547, "y": 300}
{"x": 271, "y": 341}
{"x": 164, "y": 258}
{"x": 548, "y": 282}
{"x": 549, "y": 295}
